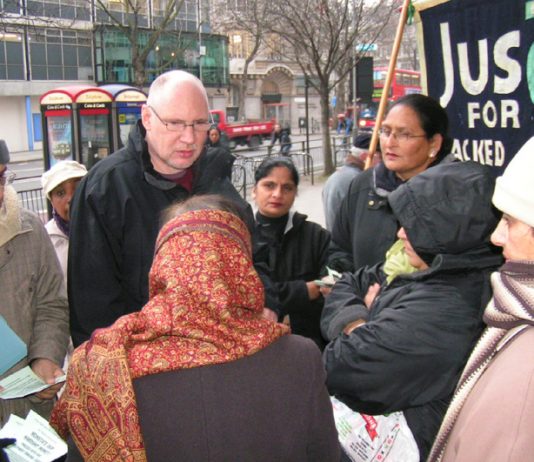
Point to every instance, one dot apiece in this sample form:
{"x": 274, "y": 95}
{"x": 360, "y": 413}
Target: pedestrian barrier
{"x": 34, "y": 200}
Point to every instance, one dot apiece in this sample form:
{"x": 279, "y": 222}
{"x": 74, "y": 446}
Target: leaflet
{"x": 36, "y": 440}
{"x": 22, "y": 383}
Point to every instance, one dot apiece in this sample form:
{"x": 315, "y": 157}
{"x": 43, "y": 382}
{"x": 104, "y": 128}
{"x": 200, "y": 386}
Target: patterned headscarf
{"x": 205, "y": 307}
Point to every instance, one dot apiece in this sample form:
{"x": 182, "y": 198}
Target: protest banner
{"x": 477, "y": 60}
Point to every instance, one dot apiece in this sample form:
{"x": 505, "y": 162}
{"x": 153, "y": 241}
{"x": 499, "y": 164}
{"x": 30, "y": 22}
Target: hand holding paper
{"x": 49, "y": 372}
{"x": 24, "y": 382}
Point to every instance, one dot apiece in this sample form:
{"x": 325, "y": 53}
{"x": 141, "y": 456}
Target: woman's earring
{"x": 432, "y": 154}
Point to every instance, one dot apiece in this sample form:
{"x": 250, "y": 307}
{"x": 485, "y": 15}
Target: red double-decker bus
{"x": 404, "y": 82}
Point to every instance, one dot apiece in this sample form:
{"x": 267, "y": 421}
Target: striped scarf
{"x": 509, "y": 312}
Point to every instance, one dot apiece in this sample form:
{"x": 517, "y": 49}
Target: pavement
{"x": 25, "y": 156}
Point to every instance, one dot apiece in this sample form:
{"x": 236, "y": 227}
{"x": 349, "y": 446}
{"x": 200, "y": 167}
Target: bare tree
{"x": 321, "y": 36}
{"x": 130, "y": 17}
{"x": 249, "y": 20}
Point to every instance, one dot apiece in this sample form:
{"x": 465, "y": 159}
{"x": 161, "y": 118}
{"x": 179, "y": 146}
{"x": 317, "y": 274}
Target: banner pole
{"x": 387, "y": 83}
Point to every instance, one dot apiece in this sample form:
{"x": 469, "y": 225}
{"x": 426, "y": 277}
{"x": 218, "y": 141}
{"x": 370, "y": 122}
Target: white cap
{"x": 514, "y": 190}
{"x": 60, "y": 172}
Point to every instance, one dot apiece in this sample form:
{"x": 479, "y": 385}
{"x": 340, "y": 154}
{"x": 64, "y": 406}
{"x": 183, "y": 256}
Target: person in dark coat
{"x": 401, "y": 331}
{"x": 294, "y": 250}
{"x": 199, "y": 374}
{"x": 116, "y": 208}
{"x": 413, "y": 137}
{"x": 216, "y": 139}
{"x": 218, "y": 151}
{"x": 282, "y": 135}
{"x": 336, "y": 187}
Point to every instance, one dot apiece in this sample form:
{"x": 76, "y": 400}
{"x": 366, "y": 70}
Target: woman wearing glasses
{"x": 413, "y": 137}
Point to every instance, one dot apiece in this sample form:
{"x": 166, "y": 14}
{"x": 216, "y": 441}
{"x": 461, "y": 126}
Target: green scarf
{"x": 397, "y": 262}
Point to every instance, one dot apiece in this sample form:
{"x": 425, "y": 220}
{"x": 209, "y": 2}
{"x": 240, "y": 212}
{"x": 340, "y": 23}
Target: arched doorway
{"x": 276, "y": 91}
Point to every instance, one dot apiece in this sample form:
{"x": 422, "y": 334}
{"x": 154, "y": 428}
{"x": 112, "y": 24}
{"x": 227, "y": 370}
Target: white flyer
{"x": 22, "y": 383}
{"x": 36, "y": 440}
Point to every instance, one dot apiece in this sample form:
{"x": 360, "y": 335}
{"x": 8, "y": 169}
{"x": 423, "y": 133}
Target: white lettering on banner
{"x": 471, "y": 85}
{"x": 490, "y": 115}
{"x": 447, "y": 64}
{"x": 485, "y": 152}
{"x": 475, "y": 86}
{"x": 511, "y": 66}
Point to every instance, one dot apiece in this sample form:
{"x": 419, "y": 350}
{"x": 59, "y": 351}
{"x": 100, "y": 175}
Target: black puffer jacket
{"x": 365, "y": 227}
{"x": 297, "y": 258}
{"x": 115, "y": 218}
{"x": 421, "y": 327}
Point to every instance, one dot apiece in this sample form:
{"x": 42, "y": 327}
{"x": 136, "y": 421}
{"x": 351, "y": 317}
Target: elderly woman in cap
{"x": 59, "y": 184}
{"x": 492, "y": 413}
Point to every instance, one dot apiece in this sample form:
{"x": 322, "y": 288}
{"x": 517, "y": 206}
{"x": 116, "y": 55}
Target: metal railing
{"x": 35, "y": 200}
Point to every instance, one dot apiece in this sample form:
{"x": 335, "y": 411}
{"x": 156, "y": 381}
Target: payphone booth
{"x": 126, "y": 111}
{"x": 76, "y": 124}
{"x": 57, "y": 115}
{"x": 93, "y": 116}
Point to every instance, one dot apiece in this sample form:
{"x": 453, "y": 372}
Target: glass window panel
{"x": 70, "y": 57}
{"x": 68, "y": 12}
{"x": 71, "y": 73}
{"x": 39, "y": 72}
{"x": 3, "y": 72}
{"x": 83, "y": 14}
{"x": 54, "y": 55}
{"x": 35, "y": 8}
{"x": 14, "y": 53}
{"x": 15, "y": 72}
{"x": 37, "y": 53}
{"x": 2, "y": 54}
{"x": 52, "y": 10}
{"x": 84, "y": 56}
{"x": 11, "y": 6}
{"x": 55, "y": 73}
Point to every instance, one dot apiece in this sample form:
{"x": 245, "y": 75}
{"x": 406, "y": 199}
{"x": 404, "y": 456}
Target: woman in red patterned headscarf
{"x": 205, "y": 309}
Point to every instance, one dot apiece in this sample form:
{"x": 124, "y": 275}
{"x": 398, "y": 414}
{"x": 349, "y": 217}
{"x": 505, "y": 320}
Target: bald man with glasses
{"x": 116, "y": 208}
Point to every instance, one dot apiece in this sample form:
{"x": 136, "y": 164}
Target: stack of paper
{"x": 36, "y": 440}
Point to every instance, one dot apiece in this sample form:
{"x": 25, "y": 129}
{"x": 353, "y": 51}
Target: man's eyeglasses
{"x": 180, "y": 125}
{"x": 401, "y": 137}
{"x": 7, "y": 177}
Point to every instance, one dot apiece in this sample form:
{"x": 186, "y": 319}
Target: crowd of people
{"x": 209, "y": 329}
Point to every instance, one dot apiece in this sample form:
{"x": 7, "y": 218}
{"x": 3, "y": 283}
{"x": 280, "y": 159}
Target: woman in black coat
{"x": 402, "y": 331}
{"x": 293, "y": 249}
{"x": 413, "y": 138}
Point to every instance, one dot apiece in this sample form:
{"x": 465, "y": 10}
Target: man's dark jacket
{"x": 421, "y": 327}
{"x": 115, "y": 220}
